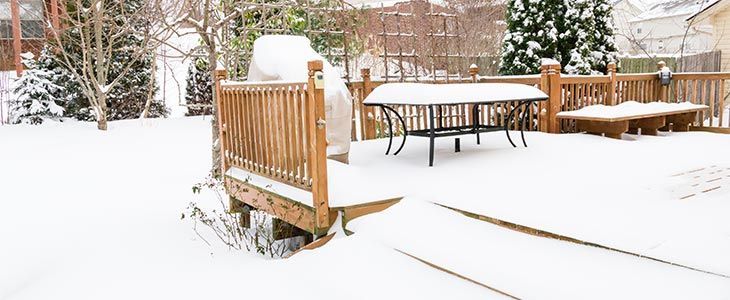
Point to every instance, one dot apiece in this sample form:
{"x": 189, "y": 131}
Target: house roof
{"x": 709, "y": 9}
{"x": 672, "y": 9}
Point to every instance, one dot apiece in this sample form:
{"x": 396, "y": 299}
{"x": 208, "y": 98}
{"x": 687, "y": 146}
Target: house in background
{"x": 23, "y": 29}
{"x": 623, "y": 12}
{"x": 717, "y": 14}
{"x": 663, "y": 29}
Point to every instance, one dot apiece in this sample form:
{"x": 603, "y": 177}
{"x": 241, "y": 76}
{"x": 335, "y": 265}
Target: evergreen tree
{"x": 532, "y": 34}
{"x": 199, "y": 89}
{"x": 37, "y": 92}
{"x": 579, "y": 38}
{"x": 584, "y": 46}
{"x": 605, "y": 50}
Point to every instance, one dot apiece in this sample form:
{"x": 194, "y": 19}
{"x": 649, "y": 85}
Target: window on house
{"x": 638, "y": 30}
{"x": 660, "y": 45}
{"x": 6, "y": 29}
{"x": 31, "y": 19}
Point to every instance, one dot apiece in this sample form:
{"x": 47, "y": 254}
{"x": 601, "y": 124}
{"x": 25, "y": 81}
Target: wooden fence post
{"x": 555, "y": 101}
{"x": 542, "y": 106}
{"x": 474, "y": 72}
{"x": 220, "y": 74}
{"x": 662, "y": 90}
{"x": 367, "y": 113}
{"x": 611, "y": 97}
{"x": 317, "y": 147}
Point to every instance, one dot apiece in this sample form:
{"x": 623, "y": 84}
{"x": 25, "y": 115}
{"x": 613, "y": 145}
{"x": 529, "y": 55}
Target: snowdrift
{"x": 285, "y": 57}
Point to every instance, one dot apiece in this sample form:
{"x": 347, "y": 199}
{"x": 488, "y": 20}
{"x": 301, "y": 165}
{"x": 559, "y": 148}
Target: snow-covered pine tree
{"x": 604, "y": 49}
{"x": 199, "y": 89}
{"x": 578, "y": 37}
{"x": 531, "y": 35}
{"x": 38, "y": 95}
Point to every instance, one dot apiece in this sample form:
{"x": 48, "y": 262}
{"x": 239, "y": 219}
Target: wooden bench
{"x": 629, "y": 117}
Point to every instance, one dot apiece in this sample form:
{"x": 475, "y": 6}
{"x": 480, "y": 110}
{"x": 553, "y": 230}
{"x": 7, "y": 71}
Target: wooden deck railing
{"x": 277, "y": 130}
{"x": 567, "y": 92}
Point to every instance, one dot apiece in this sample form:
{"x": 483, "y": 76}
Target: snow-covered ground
{"x": 86, "y": 214}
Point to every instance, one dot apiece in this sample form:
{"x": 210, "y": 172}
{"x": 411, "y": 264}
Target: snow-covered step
{"x": 527, "y": 266}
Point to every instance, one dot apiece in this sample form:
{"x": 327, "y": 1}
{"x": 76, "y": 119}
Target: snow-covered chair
{"x": 284, "y": 58}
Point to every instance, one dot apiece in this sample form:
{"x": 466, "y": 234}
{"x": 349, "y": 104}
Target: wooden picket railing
{"x": 567, "y": 93}
{"x": 276, "y": 130}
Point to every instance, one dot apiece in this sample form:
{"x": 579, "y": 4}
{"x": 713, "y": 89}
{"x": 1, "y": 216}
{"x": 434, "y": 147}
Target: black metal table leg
{"x": 475, "y": 121}
{"x": 506, "y": 125}
{"x": 405, "y": 130}
{"x": 522, "y": 128}
{"x": 432, "y": 135}
{"x": 390, "y": 128}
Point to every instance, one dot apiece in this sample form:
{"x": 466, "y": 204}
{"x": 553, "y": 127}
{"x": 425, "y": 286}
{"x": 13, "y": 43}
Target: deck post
{"x": 474, "y": 73}
{"x": 220, "y": 75}
{"x": 317, "y": 147}
{"x": 542, "y": 105}
{"x": 554, "y": 102}
{"x": 611, "y": 97}
{"x": 662, "y": 90}
{"x": 367, "y": 113}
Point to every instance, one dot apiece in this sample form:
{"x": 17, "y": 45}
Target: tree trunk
{"x": 216, "y": 149}
{"x": 101, "y": 117}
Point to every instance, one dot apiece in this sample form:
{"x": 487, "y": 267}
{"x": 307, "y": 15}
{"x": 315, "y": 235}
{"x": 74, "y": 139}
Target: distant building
{"x": 23, "y": 29}
{"x": 663, "y": 29}
{"x": 623, "y": 12}
{"x": 717, "y": 14}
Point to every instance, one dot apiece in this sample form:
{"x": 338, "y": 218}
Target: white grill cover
{"x": 285, "y": 57}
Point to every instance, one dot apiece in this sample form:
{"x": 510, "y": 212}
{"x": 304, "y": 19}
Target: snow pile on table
{"x": 285, "y": 57}
{"x": 425, "y": 94}
{"x": 629, "y": 109}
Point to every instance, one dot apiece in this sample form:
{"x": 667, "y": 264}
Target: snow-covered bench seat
{"x": 612, "y": 121}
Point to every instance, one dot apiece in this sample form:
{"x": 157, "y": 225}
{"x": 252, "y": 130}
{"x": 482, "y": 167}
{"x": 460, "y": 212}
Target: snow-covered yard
{"x": 96, "y": 215}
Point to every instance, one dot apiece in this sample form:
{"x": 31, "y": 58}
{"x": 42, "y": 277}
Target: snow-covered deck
{"x": 122, "y": 231}
{"x": 664, "y": 197}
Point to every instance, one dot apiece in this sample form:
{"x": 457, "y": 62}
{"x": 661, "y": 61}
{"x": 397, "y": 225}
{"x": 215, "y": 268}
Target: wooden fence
{"x": 567, "y": 93}
{"x": 703, "y": 62}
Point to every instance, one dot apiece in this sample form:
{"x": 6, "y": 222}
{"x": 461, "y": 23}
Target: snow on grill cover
{"x": 455, "y": 93}
{"x": 284, "y": 58}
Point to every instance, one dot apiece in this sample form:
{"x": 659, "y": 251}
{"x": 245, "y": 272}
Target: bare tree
{"x": 93, "y": 30}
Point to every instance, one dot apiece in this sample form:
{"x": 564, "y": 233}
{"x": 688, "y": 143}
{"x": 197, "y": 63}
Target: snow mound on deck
{"x": 629, "y": 108}
{"x": 285, "y": 57}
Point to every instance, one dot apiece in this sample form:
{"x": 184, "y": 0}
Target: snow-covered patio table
{"x": 435, "y": 96}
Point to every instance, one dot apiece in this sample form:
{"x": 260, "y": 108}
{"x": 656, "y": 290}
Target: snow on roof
{"x": 708, "y": 7}
{"x": 672, "y": 9}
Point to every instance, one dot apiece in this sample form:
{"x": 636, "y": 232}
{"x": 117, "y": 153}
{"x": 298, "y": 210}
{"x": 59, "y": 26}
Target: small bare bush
{"x": 212, "y": 217}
